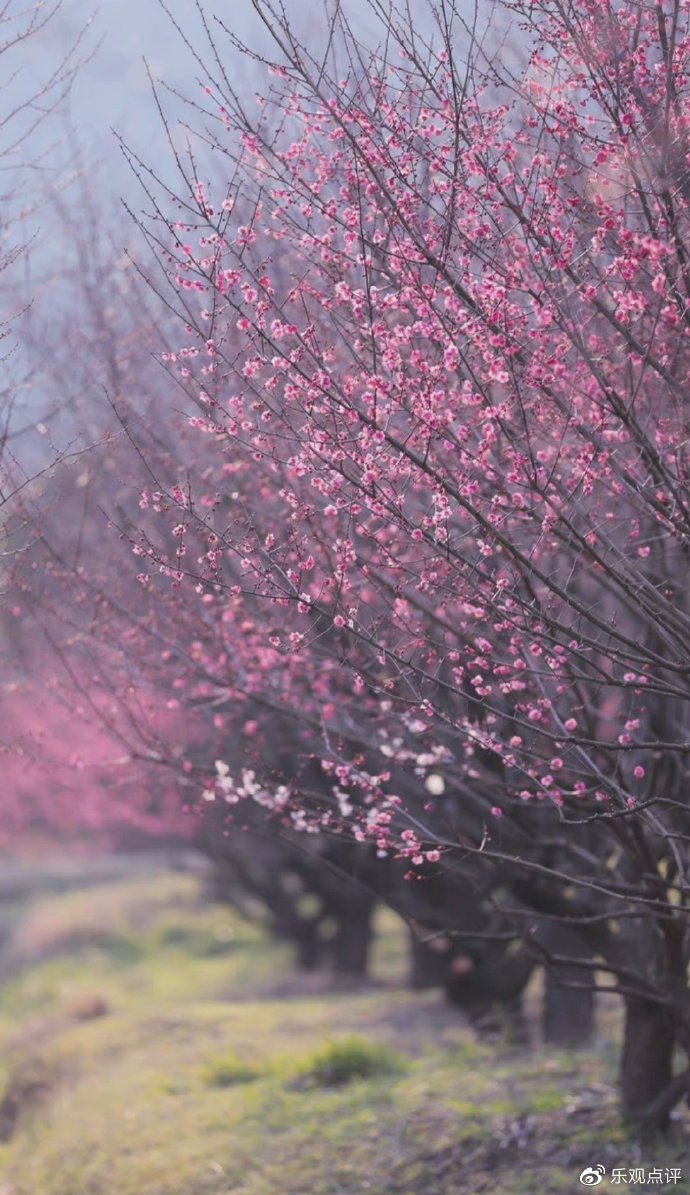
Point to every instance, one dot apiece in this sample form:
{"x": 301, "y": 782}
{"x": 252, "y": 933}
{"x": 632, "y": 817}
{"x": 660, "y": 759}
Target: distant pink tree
{"x": 91, "y": 752}
{"x": 67, "y": 781}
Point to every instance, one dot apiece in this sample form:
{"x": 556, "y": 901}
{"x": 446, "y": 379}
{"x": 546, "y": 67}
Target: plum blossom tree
{"x": 143, "y": 693}
{"x": 437, "y": 337}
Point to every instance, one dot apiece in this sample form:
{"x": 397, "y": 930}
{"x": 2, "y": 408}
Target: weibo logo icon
{"x": 592, "y": 1176}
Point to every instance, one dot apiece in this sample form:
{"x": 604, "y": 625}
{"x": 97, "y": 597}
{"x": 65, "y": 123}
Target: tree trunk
{"x": 568, "y": 1011}
{"x": 310, "y": 947}
{"x": 499, "y": 1019}
{"x": 569, "y": 1000}
{"x": 489, "y": 991}
{"x": 353, "y": 937}
{"x": 428, "y": 964}
{"x": 647, "y": 1064}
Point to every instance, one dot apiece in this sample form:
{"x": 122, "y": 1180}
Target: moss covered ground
{"x": 153, "y": 1044}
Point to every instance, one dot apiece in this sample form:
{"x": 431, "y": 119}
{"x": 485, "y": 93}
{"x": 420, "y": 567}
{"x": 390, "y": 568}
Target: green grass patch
{"x": 229, "y": 1070}
{"x": 347, "y": 1059}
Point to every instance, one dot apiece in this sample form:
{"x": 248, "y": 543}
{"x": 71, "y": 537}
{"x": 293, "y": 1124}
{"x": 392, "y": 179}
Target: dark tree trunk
{"x": 428, "y": 964}
{"x": 568, "y": 1011}
{"x": 352, "y": 940}
{"x": 504, "y": 1019}
{"x": 569, "y": 1000}
{"x": 310, "y": 947}
{"x": 647, "y": 1064}
{"x": 489, "y": 991}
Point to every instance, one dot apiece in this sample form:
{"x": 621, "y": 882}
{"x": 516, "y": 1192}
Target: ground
{"x": 153, "y": 1044}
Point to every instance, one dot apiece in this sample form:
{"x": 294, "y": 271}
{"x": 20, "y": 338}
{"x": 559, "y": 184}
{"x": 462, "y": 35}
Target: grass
{"x": 348, "y": 1059}
{"x": 229, "y": 1070}
{"x": 168, "y": 1049}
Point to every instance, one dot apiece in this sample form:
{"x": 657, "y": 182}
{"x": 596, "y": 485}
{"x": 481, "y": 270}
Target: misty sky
{"x": 112, "y": 90}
